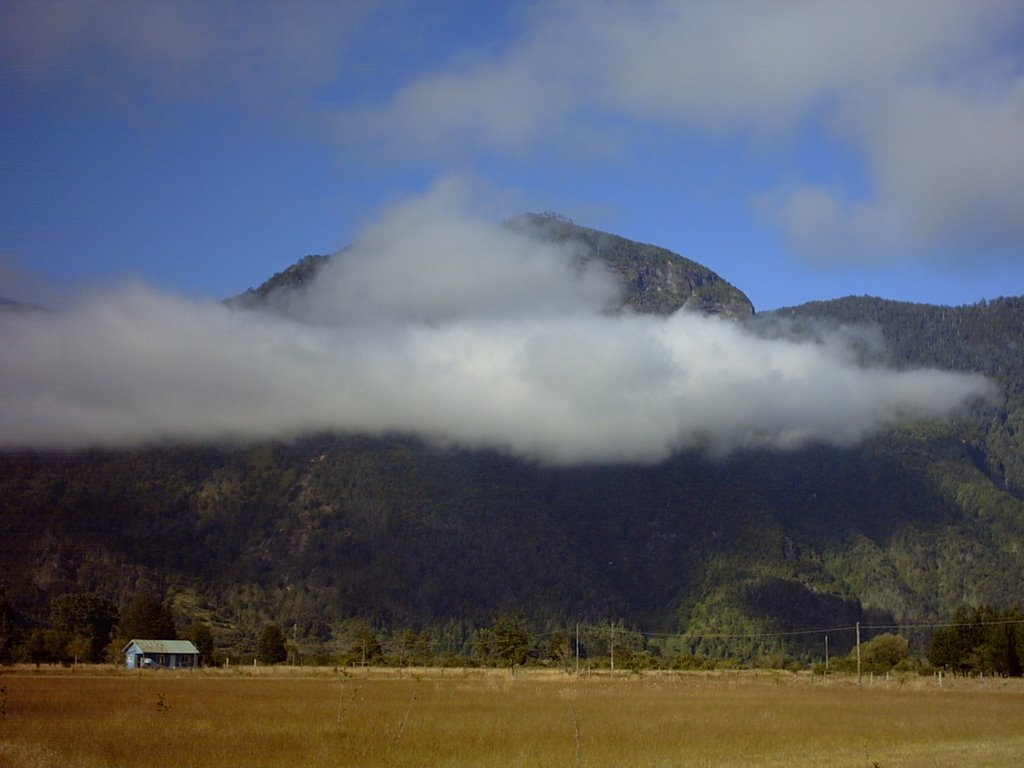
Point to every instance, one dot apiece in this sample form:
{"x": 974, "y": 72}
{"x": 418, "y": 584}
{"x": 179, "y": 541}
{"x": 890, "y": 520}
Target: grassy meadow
{"x": 279, "y": 717}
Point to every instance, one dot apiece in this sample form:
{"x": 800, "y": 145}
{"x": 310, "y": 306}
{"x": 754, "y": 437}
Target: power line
{"x": 748, "y": 635}
{"x": 692, "y": 637}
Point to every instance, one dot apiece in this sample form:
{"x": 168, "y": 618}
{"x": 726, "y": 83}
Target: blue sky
{"x": 804, "y": 150}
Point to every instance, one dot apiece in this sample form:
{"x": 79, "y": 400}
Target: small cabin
{"x": 160, "y": 654}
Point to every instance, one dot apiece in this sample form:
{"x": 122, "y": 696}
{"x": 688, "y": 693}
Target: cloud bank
{"x": 440, "y": 324}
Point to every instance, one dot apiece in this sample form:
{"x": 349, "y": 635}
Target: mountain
{"x": 903, "y": 528}
{"x": 654, "y": 280}
{"x": 987, "y": 337}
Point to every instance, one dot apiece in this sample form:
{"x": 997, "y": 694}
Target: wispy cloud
{"x": 441, "y": 324}
{"x": 240, "y": 52}
{"x": 926, "y": 93}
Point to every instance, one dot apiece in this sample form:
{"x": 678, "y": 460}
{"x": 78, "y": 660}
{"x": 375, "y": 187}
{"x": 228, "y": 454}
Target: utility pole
{"x": 612, "y": 645}
{"x": 858, "y": 655}
{"x": 826, "y": 655}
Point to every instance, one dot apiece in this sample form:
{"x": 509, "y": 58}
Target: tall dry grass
{"x": 214, "y": 720}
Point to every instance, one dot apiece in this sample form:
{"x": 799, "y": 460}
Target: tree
{"x": 884, "y": 652}
{"x": 270, "y": 648}
{"x": 413, "y": 648}
{"x": 87, "y": 620}
{"x": 559, "y": 648}
{"x": 1001, "y": 653}
{"x": 406, "y": 641}
{"x": 147, "y": 618}
{"x": 983, "y": 639}
{"x": 365, "y": 649}
{"x": 8, "y": 624}
{"x": 510, "y": 641}
{"x": 77, "y": 648}
{"x": 947, "y": 649}
{"x": 201, "y": 637}
{"x": 40, "y": 648}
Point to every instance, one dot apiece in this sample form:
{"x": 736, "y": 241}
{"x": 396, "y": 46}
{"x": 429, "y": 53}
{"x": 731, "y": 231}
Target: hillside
{"x": 904, "y": 527}
{"x": 986, "y": 337}
{"x": 656, "y": 280}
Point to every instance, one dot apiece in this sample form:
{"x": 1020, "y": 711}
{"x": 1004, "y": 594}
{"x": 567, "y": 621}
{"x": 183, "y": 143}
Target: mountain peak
{"x": 655, "y": 280}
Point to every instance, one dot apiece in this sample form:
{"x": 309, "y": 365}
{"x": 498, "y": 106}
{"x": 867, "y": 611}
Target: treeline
{"x": 88, "y": 628}
{"x": 981, "y": 641}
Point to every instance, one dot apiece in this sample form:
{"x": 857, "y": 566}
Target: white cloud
{"x": 951, "y": 162}
{"x": 947, "y": 168}
{"x": 927, "y": 93}
{"x": 439, "y": 324}
{"x": 430, "y": 260}
{"x": 250, "y": 51}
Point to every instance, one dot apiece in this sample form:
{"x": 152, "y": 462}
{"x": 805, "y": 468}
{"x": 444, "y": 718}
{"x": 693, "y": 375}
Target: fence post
{"x": 858, "y": 655}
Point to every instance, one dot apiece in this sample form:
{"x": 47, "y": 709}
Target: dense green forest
{"x": 987, "y": 337}
{"x": 332, "y": 536}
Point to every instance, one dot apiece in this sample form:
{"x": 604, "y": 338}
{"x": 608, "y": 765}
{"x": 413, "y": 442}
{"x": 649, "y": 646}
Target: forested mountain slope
{"x": 986, "y": 337}
{"x": 904, "y": 527}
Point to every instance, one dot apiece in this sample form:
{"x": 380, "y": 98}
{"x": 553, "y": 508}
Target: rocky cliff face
{"x": 656, "y": 280}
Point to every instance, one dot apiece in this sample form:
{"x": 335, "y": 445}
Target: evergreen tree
{"x": 8, "y": 624}
{"x": 201, "y": 637}
{"x": 270, "y": 648}
{"x": 559, "y": 648}
{"x": 366, "y": 648}
{"x": 510, "y": 641}
{"x": 985, "y": 640}
{"x": 947, "y": 650}
{"x": 147, "y": 619}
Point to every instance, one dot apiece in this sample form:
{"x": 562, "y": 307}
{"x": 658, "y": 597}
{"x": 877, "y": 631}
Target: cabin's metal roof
{"x": 162, "y": 646}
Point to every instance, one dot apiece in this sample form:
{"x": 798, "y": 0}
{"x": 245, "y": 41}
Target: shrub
{"x": 884, "y": 652}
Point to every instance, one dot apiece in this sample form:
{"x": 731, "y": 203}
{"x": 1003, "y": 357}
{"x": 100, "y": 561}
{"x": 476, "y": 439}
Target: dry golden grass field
{"x": 251, "y": 718}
